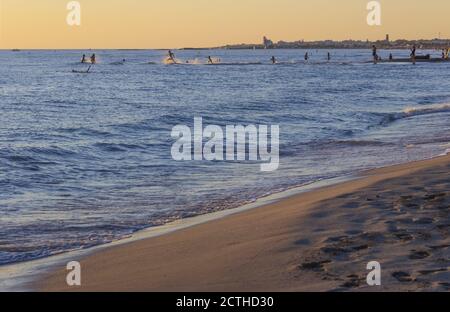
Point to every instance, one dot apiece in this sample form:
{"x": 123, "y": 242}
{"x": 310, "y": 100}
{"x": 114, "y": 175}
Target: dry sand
{"x": 317, "y": 241}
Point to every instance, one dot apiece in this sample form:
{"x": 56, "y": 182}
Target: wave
{"x": 430, "y": 109}
{"x": 416, "y": 111}
{"x": 196, "y": 62}
{"x": 357, "y": 143}
{"x": 84, "y": 131}
{"x": 328, "y": 144}
{"x": 34, "y": 155}
{"x": 51, "y": 151}
{"x": 235, "y": 64}
{"x": 117, "y": 147}
{"x": 117, "y": 63}
{"x": 19, "y": 158}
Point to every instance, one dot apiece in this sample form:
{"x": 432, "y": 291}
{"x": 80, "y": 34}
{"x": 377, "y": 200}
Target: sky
{"x": 148, "y": 24}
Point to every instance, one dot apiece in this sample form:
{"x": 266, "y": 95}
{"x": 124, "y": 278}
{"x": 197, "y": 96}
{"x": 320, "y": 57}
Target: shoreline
{"x": 29, "y": 271}
{"x": 156, "y": 256}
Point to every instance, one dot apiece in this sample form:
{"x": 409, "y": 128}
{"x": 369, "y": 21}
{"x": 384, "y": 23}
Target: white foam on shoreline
{"x": 447, "y": 152}
{"x": 427, "y": 109}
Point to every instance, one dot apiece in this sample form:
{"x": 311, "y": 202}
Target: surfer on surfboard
{"x": 93, "y": 59}
{"x": 171, "y": 56}
{"x": 273, "y": 59}
{"x": 83, "y": 59}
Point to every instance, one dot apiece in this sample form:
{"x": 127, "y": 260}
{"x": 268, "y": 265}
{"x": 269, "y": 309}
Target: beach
{"x": 191, "y": 147}
{"x": 320, "y": 240}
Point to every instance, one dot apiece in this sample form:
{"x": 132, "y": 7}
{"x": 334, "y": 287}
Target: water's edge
{"x": 20, "y": 277}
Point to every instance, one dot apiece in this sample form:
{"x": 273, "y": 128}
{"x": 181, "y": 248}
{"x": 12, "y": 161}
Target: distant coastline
{"x": 331, "y": 44}
{"x": 386, "y": 44}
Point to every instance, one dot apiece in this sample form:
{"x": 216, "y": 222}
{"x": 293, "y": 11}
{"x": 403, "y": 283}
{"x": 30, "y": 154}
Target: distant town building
{"x": 267, "y": 43}
{"x": 387, "y": 38}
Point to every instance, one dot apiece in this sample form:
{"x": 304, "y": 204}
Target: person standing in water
{"x": 273, "y": 59}
{"x": 93, "y": 59}
{"x": 328, "y": 56}
{"x": 375, "y": 54}
{"x": 413, "y": 54}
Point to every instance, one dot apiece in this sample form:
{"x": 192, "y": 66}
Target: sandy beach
{"x": 317, "y": 241}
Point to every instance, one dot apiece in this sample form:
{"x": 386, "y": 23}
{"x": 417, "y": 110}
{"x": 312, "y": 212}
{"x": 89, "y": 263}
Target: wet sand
{"x": 321, "y": 240}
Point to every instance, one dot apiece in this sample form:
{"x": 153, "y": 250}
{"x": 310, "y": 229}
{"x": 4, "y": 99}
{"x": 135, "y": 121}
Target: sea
{"x": 85, "y": 159}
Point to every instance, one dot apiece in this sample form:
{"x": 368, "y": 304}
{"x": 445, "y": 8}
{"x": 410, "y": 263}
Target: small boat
{"x": 423, "y": 57}
{"x": 81, "y": 71}
{"x": 418, "y": 60}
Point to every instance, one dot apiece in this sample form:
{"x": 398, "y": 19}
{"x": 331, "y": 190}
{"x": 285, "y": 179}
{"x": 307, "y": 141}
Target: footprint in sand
{"x": 352, "y": 205}
{"x": 439, "y": 247}
{"x": 401, "y": 221}
{"x": 429, "y": 272}
{"x": 438, "y": 196}
{"x": 344, "y": 247}
{"x": 424, "y": 221}
{"x": 446, "y": 286}
{"x": 419, "y": 254}
{"x": 402, "y": 277}
{"x": 314, "y": 265}
{"x": 444, "y": 229}
{"x": 403, "y": 236}
{"x": 353, "y": 281}
{"x": 303, "y": 242}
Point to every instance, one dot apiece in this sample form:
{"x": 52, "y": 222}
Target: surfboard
{"x": 82, "y": 71}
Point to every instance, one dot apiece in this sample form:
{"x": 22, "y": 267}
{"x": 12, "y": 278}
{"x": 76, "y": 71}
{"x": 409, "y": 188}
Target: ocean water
{"x": 85, "y": 159}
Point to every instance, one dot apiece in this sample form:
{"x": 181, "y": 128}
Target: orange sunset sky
{"x": 42, "y": 24}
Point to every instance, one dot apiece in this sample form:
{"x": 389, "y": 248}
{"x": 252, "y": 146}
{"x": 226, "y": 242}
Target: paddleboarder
{"x": 374, "y": 54}
{"x": 413, "y": 54}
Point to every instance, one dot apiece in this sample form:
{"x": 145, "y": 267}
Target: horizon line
{"x": 232, "y": 44}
